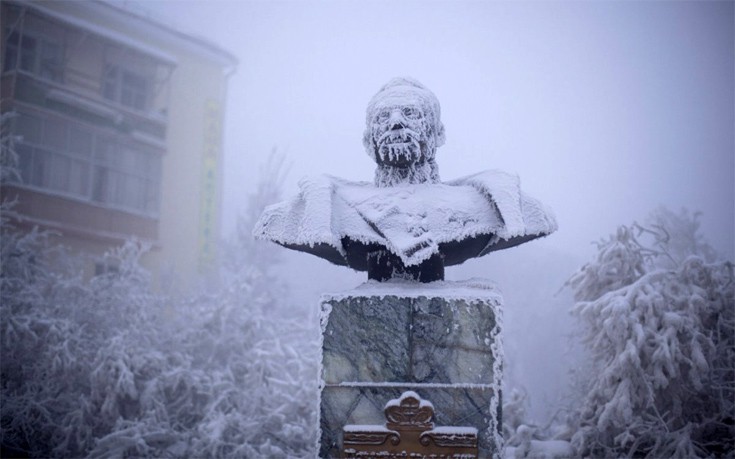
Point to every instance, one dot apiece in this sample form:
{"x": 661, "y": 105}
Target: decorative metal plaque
{"x": 409, "y": 433}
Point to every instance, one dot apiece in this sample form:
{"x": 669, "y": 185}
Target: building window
{"x": 126, "y": 177}
{"x": 34, "y": 54}
{"x": 102, "y": 268}
{"x": 126, "y": 87}
{"x": 69, "y": 159}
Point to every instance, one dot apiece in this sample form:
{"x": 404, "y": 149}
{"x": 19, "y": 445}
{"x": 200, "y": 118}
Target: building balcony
{"x": 77, "y": 101}
{"x": 76, "y": 218}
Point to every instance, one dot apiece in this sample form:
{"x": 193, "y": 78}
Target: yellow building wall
{"x": 190, "y": 195}
{"x": 194, "y": 151}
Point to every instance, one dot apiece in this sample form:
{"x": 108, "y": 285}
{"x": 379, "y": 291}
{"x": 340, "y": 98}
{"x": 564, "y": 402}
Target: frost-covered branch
{"x": 660, "y": 329}
{"x": 107, "y": 367}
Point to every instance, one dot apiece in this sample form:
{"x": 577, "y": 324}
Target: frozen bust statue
{"x": 408, "y": 224}
{"x": 403, "y": 132}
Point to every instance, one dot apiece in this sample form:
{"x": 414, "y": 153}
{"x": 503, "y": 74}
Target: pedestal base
{"x": 440, "y": 340}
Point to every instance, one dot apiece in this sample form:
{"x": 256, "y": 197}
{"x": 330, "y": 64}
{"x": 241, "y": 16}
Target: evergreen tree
{"x": 658, "y": 317}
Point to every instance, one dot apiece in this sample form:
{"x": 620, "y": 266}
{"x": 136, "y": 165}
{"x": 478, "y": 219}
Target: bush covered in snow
{"x": 658, "y": 316}
{"x": 105, "y": 367}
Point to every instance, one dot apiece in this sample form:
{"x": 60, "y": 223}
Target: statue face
{"x": 400, "y": 132}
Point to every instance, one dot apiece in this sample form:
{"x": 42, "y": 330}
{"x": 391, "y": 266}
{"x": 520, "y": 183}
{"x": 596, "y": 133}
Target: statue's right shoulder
{"x": 328, "y": 181}
{"x": 310, "y": 183}
{"x": 303, "y": 219}
{"x": 323, "y": 186}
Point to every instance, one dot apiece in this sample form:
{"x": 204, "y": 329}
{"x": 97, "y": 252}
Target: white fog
{"x": 607, "y": 111}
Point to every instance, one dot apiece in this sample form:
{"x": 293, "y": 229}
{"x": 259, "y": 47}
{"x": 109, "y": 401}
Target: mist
{"x": 605, "y": 110}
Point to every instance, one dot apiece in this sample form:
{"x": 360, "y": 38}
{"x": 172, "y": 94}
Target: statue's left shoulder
{"x": 490, "y": 179}
{"x": 522, "y": 214}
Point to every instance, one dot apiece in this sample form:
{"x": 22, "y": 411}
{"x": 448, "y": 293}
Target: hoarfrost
{"x": 407, "y": 212}
{"x": 108, "y": 368}
{"x": 659, "y": 320}
{"x": 328, "y": 210}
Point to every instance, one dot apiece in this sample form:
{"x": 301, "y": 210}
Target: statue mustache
{"x": 404, "y": 134}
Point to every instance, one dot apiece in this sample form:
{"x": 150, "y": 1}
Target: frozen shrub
{"x": 105, "y": 367}
{"x": 658, "y": 316}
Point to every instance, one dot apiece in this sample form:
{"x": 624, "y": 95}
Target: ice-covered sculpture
{"x": 408, "y": 224}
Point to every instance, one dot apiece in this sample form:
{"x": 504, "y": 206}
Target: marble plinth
{"x": 441, "y": 340}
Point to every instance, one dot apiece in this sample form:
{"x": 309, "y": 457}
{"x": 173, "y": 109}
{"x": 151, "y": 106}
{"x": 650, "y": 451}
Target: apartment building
{"x": 117, "y": 121}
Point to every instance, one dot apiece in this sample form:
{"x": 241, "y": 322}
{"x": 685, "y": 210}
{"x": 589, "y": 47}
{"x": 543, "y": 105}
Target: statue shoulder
{"x": 318, "y": 184}
{"x": 492, "y": 178}
{"x": 522, "y": 214}
{"x": 321, "y": 213}
{"x": 313, "y": 183}
{"x": 301, "y": 219}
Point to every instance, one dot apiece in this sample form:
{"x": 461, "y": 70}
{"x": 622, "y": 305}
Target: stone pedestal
{"x": 440, "y": 340}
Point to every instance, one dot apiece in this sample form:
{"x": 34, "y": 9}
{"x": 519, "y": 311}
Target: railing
{"x": 87, "y": 84}
{"x": 80, "y": 91}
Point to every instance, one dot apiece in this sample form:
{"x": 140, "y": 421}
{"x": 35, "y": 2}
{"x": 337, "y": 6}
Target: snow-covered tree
{"x": 8, "y": 155}
{"x": 106, "y": 367}
{"x": 658, "y": 317}
{"x": 244, "y": 257}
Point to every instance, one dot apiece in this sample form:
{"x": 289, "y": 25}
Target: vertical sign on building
{"x": 210, "y": 166}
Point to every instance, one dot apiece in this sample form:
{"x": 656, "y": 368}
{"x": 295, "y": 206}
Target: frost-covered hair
{"x": 408, "y": 90}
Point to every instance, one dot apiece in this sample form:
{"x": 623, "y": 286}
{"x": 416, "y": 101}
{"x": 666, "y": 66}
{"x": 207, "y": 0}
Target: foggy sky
{"x": 605, "y": 110}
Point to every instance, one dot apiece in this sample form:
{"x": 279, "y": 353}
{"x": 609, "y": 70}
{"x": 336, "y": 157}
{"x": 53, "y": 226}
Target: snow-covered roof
{"x": 103, "y": 32}
{"x": 146, "y": 26}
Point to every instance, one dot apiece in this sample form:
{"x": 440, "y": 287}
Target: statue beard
{"x": 405, "y": 156}
{"x": 399, "y": 148}
{"x": 405, "y": 163}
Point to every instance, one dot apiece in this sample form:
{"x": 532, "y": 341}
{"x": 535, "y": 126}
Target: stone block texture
{"x": 441, "y": 340}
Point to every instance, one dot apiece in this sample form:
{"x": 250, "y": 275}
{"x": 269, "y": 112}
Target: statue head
{"x": 403, "y": 130}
